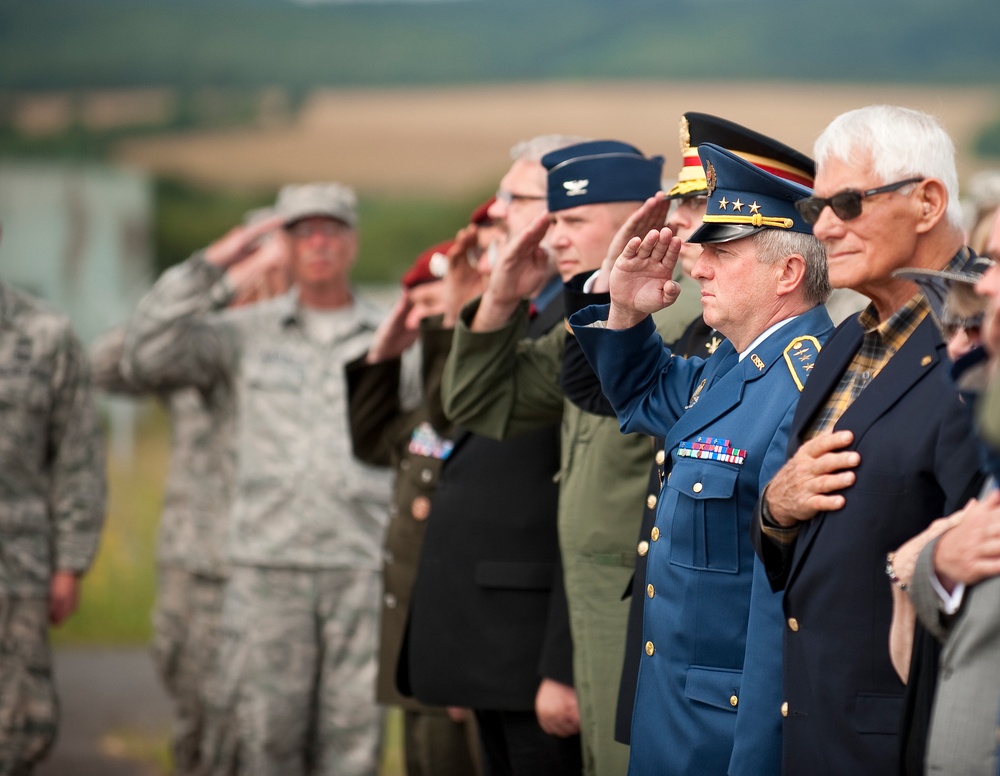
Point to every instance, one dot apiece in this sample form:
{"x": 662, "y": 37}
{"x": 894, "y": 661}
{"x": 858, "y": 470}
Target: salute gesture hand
{"x": 642, "y": 278}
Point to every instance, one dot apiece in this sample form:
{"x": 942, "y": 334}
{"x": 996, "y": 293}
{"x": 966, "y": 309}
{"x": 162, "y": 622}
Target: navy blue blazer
{"x": 844, "y": 700}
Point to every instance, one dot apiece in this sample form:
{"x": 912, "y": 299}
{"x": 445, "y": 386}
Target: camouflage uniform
{"x": 52, "y": 499}
{"x": 300, "y": 614}
{"x": 191, "y": 546}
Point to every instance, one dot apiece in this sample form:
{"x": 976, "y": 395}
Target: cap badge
{"x": 438, "y": 265}
{"x": 685, "y": 135}
{"x": 576, "y": 188}
{"x": 710, "y": 177}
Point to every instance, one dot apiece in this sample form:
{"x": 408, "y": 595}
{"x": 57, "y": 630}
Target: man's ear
{"x": 793, "y": 273}
{"x": 932, "y": 203}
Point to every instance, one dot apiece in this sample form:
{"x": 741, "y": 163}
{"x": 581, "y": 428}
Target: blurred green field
{"x": 119, "y": 589}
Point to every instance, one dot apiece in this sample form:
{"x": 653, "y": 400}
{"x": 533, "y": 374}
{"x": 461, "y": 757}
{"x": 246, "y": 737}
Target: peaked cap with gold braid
{"x": 760, "y": 150}
{"x": 743, "y": 199}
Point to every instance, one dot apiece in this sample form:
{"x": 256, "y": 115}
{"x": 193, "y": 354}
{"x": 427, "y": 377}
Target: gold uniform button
{"x": 793, "y": 624}
{"x": 643, "y": 548}
{"x": 650, "y": 591}
{"x": 655, "y": 534}
{"x": 733, "y": 701}
{"x": 649, "y": 648}
{"x": 784, "y": 709}
{"x": 651, "y": 501}
{"x": 697, "y": 487}
{"x": 420, "y": 508}
{"x": 661, "y": 456}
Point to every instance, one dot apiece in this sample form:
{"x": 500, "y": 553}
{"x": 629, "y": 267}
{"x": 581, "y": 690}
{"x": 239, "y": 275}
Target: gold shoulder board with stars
{"x": 800, "y": 354}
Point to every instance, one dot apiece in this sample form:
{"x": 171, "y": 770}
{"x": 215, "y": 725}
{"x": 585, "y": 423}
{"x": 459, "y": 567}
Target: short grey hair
{"x": 899, "y": 142}
{"x": 534, "y": 149}
{"x": 775, "y": 244}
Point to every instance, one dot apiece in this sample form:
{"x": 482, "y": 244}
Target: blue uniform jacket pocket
{"x": 715, "y": 686}
{"x": 704, "y": 526}
{"x": 514, "y": 575}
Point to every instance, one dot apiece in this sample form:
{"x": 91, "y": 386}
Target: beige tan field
{"x": 453, "y": 141}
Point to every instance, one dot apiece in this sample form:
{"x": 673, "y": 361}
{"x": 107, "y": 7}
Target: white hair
{"x": 534, "y": 149}
{"x": 899, "y": 143}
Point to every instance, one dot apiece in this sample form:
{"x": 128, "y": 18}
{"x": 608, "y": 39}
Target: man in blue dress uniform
{"x": 709, "y": 687}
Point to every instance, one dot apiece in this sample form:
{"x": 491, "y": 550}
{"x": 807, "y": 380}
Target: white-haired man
{"x": 879, "y": 444}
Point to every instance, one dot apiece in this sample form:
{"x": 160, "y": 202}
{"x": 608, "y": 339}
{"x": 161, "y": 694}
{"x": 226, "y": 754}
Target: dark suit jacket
{"x": 843, "y": 698}
{"x": 488, "y": 617}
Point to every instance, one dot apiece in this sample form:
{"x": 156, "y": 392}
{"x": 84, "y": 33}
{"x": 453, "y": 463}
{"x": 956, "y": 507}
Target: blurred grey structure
{"x": 78, "y": 235}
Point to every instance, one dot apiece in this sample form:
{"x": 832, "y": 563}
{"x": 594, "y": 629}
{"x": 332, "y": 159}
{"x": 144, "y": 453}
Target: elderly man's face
{"x": 324, "y": 250}
{"x": 521, "y": 197}
{"x": 579, "y": 237}
{"x": 989, "y": 287}
{"x": 738, "y": 291}
{"x": 685, "y": 216}
{"x": 862, "y": 253}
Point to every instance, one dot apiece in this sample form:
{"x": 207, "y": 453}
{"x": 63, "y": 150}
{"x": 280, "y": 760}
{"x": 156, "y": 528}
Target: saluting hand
{"x": 642, "y": 278}
{"x": 520, "y": 268}
{"x": 651, "y": 214}
{"x": 239, "y": 242}
{"x": 392, "y": 337}
{"x": 462, "y": 281}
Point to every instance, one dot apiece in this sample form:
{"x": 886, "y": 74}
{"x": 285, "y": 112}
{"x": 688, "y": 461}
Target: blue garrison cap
{"x": 743, "y": 198}
{"x": 600, "y": 171}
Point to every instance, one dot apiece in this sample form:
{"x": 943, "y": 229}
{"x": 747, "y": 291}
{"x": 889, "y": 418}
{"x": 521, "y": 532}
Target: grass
{"x": 118, "y": 591}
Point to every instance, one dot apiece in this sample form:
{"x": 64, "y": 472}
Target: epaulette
{"x": 800, "y": 354}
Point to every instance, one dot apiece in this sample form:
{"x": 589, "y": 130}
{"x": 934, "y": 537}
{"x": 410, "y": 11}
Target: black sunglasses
{"x": 844, "y": 204}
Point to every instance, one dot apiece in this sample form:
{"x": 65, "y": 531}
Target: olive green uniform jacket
{"x": 500, "y": 384}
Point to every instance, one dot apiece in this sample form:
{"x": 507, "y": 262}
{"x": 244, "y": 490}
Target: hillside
{"x": 60, "y": 44}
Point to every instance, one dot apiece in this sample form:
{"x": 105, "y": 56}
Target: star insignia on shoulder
{"x": 800, "y": 354}
{"x": 723, "y": 203}
{"x": 755, "y": 208}
{"x": 738, "y": 206}
{"x": 713, "y": 345}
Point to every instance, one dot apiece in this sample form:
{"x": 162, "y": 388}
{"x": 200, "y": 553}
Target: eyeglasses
{"x": 327, "y": 227}
{"x": 971, "y": 326}
{"x": 509, "y": 198}
{"x": 844, "y": 204}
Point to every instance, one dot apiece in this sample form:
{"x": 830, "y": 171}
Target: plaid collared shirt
{"x": 879, "y": 344}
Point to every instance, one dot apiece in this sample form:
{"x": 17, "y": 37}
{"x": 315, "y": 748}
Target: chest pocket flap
{"x": 704, "y": 525}
{"x": 701, "y": 479}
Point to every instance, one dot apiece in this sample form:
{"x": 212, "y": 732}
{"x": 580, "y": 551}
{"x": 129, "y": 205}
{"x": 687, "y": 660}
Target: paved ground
{"x": 110, "y": 696}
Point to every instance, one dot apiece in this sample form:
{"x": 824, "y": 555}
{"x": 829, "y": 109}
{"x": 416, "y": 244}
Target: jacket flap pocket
{"x": 877, "y": 713}
{"x": 715, "y": 686}
{"x": 704, "y": 479}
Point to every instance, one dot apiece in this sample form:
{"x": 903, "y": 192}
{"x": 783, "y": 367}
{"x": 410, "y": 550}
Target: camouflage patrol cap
{"x": 308, "y": 200}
